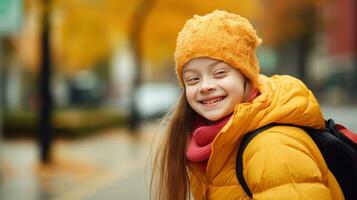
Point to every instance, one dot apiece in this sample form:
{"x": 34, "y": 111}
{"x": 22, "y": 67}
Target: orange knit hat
{"x": 219, "y": 35}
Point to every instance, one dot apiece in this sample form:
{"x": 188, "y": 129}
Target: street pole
{"x": 45, "y": 114}
{"x": 135, "y": 38}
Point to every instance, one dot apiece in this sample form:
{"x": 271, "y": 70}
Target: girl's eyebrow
{"x": 214, "y": 63}
{"x": 187, "y": 70}
{"x": 221, "y": 64}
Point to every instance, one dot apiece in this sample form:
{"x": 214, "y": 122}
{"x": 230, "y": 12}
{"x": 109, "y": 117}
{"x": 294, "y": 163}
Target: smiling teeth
{"x": 212, "y": 100}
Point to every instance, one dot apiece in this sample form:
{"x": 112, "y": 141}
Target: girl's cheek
{"x": 187, "y": 92}
{"x": 190, "y": 93}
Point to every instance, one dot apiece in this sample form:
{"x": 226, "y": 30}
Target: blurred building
{"x": 341, "y": 46}
{"x": 341, "y": 31}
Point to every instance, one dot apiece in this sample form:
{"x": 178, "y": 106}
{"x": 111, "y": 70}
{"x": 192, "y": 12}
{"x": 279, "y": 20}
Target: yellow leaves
{"x": 83, "y": 38}
{"x": 83, "y": 32}
{"x": 28, "y": 39}
{"x": 86, "y": 31}
{"x": 90, "y": 30}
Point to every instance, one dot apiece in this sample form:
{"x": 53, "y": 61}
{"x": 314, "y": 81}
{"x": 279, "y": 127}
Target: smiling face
{"x": 212, "y": 87}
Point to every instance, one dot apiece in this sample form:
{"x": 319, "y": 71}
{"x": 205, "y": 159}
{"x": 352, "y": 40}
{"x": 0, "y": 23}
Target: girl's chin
{"x": 214, "y": 118}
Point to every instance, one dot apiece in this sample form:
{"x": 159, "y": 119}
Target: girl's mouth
{"x": 212, "y": 101}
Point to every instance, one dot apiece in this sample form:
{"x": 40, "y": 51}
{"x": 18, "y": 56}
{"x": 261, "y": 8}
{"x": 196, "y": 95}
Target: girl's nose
{"x": 207, "y": 86}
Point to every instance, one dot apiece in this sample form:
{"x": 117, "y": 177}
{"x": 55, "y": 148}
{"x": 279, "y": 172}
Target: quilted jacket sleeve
{"x": 284, "y": 163}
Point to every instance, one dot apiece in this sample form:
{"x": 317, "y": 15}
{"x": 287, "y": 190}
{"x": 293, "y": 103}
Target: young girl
{"x": 224, "y": 98}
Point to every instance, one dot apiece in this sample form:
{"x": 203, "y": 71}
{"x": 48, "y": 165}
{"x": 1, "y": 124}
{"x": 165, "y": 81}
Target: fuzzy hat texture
{"x": 223, "y": 36}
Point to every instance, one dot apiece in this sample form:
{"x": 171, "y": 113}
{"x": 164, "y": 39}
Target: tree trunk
{"x": 305, "y": 43}
{"x": 303, "y": 47}
{"x": 135, "y": 32}
{"x": 45, "y": 114}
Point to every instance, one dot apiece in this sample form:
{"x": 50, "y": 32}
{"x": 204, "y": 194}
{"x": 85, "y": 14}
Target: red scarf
{"x": 199, "y": 147}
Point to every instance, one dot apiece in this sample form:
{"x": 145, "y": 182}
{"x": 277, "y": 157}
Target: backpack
{"x": 337, "y": 145}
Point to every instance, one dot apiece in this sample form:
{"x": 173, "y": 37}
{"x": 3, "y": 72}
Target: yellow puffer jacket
{"x": 280, "y": 163}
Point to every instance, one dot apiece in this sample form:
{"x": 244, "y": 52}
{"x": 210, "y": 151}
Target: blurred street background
{"x": 84, "y": 83}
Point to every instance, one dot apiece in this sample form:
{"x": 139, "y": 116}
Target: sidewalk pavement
{"x": 110, "y": 165}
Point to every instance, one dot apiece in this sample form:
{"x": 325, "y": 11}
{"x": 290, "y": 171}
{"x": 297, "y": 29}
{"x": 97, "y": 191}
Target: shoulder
{"x": 282, "y": 155}
{"x": 284, "y": 161}
{"x": 284, "y": 142}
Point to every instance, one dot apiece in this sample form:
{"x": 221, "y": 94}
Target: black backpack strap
{"x": 239, "y": 160}
{"x": 331, "y": 126}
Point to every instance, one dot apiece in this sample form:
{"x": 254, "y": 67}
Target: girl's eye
{"x": 220, "y": 74}
{"x": 191, "y": 80}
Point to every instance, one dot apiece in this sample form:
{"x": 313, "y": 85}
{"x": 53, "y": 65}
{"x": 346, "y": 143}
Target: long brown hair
{"x": 169, "y": 174}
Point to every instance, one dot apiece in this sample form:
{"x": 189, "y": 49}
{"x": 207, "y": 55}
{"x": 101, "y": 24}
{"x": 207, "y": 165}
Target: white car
{"x": 155, "y": 99}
